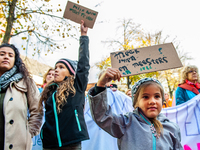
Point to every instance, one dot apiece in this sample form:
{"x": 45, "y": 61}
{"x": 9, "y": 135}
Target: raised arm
{"x": 101, "y": 111}
{"x": 84, "y": 29}
{"x": 83, "y": 60}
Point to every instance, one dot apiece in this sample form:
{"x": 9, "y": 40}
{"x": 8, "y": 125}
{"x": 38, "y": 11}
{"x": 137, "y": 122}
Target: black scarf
{"x": 8, "y": 77}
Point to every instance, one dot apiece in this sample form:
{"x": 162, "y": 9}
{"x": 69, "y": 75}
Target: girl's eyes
{"x": 60, "y": 67}
{"x": 157, "y": 96}
{"x": 10, "y": 55}
{"x": 145, "y": 97}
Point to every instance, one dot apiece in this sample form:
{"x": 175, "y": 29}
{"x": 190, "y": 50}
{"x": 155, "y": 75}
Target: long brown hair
{"x": 157, "y": 124}
{"x": 64, "y": 89}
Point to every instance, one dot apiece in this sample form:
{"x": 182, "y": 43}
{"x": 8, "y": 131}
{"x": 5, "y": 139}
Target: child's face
{"x": 150, "y": 101}
{"x": 61, "y": 72}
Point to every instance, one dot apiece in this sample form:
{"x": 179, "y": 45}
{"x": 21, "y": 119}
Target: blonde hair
{"x": 157, "y": 124}
{"x": 65, "y": 88}
{"x": 45, "y": 75}
{"x": 127, "y": 91}
{"x": 185, "y": 71}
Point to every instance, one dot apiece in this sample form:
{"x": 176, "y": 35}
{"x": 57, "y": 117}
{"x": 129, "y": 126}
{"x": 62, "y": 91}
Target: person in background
{"x": 18, "y": 93}
{"x": 189, "y": 86}
{"x": 144, "y": 127}
{"x": 167, "y": 102}
{"x": 128, "y": 93}
{"x": 99, "y": 139}
{"x": 48, "y": 77}
{"x": 113, "y": 87}
{"x": 64, "y": 99}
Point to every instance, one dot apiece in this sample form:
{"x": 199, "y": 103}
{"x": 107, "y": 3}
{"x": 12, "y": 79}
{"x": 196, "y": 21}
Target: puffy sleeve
{"x": 103, "y": 116}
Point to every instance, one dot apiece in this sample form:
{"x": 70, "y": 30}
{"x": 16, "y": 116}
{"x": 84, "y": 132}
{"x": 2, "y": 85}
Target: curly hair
{"x": 185, "y": 71}
{"x": 21, "y": 68}
{"x": 64, "y": 89}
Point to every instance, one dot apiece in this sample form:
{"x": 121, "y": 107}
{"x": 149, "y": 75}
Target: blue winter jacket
{"x": 184, "y": 93}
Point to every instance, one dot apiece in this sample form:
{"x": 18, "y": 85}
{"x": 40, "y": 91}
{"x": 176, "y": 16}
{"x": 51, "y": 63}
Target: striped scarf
{"x": 8, "y": 77}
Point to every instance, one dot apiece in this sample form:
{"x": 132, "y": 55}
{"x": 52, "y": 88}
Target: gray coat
{"x": 132, "y": 130}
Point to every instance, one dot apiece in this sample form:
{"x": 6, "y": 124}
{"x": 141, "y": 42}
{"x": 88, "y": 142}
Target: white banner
{"x": 187, "y": 116}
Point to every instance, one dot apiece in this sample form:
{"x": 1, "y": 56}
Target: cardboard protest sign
{"x": 76, "y": 13}
{"x": 147, "y": 59}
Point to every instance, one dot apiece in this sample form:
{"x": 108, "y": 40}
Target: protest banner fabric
{"x": 187, "y": 116}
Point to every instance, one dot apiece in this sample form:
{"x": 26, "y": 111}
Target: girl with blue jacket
{"x": 64, "y": 100}
{"x": 145, "y": 127}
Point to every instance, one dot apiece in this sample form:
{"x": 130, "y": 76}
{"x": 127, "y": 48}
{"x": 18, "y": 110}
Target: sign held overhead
{"x": 76, "y": 13}
{"x": 147, "y": 59}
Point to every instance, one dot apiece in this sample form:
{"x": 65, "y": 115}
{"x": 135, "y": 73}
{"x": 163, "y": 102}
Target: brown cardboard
{"x": 76, "y": 13}
{"x": 147, "y": 59}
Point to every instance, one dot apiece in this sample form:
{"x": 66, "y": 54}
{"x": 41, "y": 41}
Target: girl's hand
{"x": 109, "y": 75}
{"x": 83, "y": 29}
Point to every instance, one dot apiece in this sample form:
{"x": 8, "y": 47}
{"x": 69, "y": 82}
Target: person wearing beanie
{"x": 64, "y": 100}
{"x": 145, "y": 127}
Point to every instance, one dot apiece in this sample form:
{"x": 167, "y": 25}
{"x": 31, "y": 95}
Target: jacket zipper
{"x": 153, "y": 137}
{"x": 77, "y": 120}
{"x": 56, "y": 119}
{"x": 41, "y": 134}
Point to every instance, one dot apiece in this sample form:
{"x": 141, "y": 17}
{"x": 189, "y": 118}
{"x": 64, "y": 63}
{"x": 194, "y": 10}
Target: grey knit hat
{"x": 140, "y": 82}
{"x": 70, "y": 64}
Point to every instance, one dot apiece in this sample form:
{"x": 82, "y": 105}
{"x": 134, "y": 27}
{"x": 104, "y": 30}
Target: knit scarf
{"x": 8, "y": 77}
{"x": 192, "y": 84}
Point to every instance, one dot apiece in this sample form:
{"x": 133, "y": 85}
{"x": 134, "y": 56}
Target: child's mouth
{"x": 152, "y": 108}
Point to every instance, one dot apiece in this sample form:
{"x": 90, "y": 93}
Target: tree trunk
{"x": 10, "y": 19}
{"x": 128, "y": 82}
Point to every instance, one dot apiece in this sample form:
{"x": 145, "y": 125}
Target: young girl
{"x": 64, "y": 99}
{"x": 145, "y": 127}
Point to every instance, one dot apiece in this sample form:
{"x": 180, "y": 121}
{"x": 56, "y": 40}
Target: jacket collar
{"x": 21, "y": 85}
{"x": 188, "y": 87}
{"x": 138, "y": 111}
